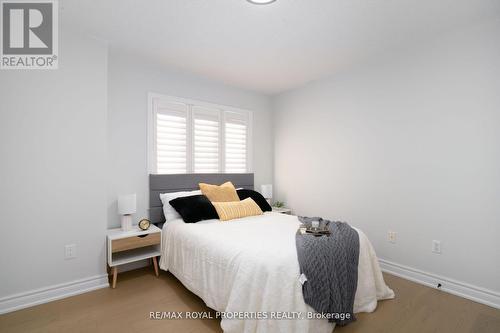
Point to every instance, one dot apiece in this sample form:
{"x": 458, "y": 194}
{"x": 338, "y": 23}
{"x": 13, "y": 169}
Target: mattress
{"x": 250, "y": 265}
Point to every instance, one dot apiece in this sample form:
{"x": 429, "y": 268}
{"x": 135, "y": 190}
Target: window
{"x": 190, "y": 136}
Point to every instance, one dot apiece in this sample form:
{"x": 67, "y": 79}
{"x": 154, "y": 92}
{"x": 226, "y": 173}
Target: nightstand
{"x": 129, "y": 246}
{"x": 282, "y": 210}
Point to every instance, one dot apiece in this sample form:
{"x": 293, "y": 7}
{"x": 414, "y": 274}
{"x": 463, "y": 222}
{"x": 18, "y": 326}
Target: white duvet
{"x": 251, "y": 265}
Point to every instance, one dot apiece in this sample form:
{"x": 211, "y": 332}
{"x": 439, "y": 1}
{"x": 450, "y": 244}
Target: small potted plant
{"x": 279, "y": 204}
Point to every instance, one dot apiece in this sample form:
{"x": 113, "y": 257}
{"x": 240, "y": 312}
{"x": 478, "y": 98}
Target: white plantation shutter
{"x": 236, "y": 145}
{"x": 206, "y": 145}
{"x": 171, "y": 137}
{"x": 187, "y": 136}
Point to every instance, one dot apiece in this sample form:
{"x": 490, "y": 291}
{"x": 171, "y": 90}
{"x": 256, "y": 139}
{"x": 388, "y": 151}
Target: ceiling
{"x": 269, "y": 48}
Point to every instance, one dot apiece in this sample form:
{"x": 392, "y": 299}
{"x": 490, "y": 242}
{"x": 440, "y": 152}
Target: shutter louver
{"x": 206, "y": 140}
{"x": 235, "y": 142}
{"x": 171, "y": 137}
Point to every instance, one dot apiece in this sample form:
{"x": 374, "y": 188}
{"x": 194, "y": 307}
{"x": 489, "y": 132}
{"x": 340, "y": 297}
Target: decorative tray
{"x": 315, "y": 231}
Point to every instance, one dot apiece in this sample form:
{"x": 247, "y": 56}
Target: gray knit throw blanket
{"x": 330, "y": 264}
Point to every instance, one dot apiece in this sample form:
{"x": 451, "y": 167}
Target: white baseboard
{"x": 44, "y": 295}
{"x": 462, "y": 289}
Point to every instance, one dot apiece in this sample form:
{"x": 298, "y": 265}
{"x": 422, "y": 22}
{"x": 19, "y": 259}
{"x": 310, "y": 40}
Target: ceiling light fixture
{"x": 261, "y": 2}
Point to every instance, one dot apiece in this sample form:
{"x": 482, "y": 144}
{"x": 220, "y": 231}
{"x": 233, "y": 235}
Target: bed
{"x": 250, "y": 264}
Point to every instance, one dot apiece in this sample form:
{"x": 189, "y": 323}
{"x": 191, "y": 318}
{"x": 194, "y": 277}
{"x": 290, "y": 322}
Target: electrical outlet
{"x": 70, "y": 251}
{"x": 391, "y": 236}
{"x": 436, "y": 246}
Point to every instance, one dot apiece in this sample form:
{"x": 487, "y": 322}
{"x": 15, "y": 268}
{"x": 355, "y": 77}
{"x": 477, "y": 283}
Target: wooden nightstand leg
{"x": 155, "y": 264}
{"x": 115, "y": 272}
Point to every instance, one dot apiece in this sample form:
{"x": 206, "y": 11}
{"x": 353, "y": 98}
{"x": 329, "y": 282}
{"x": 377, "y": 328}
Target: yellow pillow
{"x": 224, "y": 193}
{"x": 236, "y": 209}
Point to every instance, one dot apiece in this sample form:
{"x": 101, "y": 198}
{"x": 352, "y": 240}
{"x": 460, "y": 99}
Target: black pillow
{"x": 257, "y": 197}
{"x": 194, "y": 208}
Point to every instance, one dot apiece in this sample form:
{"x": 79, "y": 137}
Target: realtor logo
{"x": 29, "y": 36}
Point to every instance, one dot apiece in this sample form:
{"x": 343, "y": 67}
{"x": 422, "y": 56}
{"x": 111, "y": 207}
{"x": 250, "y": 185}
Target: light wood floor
{"x": 126, "y": 309}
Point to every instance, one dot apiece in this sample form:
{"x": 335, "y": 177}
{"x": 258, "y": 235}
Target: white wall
{"x": 130, "y": 81}
{"x": 52, "y": 169}
{"x": 69, "y": 146}
{"x": 409, "y": 144}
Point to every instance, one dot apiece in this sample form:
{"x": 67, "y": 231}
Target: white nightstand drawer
{"x": 135, "y": 242}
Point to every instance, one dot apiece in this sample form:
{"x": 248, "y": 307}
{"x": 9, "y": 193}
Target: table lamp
{"x": 267, "y": 192}
{"x": 126, "y": 207}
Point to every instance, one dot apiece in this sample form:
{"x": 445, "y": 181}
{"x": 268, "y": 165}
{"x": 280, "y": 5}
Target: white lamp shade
{"x": 267, "y": 191}
{"x": 127, "y": 204}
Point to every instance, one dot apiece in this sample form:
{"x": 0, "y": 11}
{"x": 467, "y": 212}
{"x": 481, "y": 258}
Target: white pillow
{"x": 169, "y": 211}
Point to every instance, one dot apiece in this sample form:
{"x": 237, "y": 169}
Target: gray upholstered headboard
{"x": 188, "y": 182}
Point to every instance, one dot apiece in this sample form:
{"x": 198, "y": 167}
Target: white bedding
{"x": 250, "y": 264}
